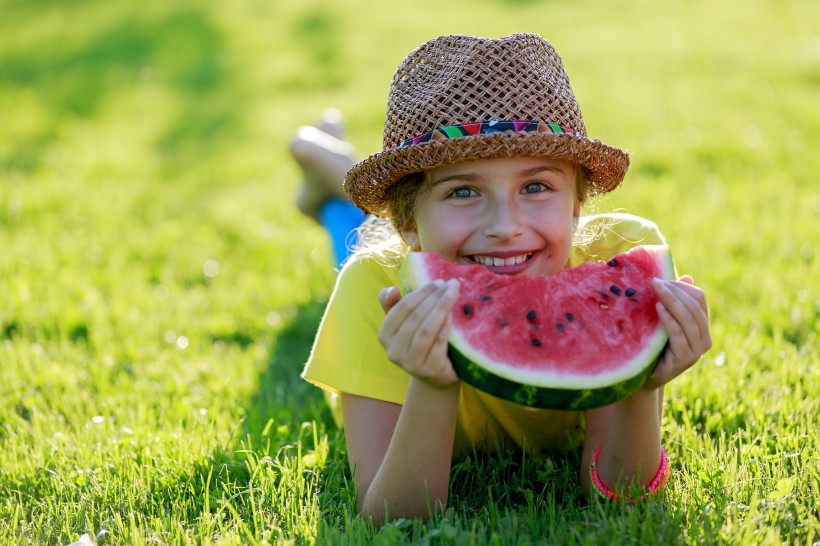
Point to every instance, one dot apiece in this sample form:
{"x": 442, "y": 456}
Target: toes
{"x": 332, "y": 123}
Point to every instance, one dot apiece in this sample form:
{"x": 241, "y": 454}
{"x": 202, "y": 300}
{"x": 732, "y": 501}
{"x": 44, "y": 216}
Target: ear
{"x": 411, "y": 237}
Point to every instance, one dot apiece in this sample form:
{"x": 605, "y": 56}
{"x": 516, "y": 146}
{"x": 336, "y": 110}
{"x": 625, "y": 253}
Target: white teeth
{"x": 497, "y": 262}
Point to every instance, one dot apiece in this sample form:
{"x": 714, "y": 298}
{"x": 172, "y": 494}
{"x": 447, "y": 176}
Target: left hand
{"x": 685, "y": 316}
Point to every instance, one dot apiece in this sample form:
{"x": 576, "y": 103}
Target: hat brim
{"x": 367, "y": 182}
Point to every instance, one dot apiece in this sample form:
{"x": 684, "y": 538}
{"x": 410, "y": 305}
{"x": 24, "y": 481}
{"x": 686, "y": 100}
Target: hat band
{"x": 449, "y": 132}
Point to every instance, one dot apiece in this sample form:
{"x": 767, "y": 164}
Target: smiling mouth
{"x": 495, "y": 261}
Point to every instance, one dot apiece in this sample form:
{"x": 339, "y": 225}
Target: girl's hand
{"x": 683, "y": 312}
{"x": 415, "y": 330}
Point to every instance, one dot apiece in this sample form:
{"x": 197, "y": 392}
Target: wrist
{"x": 438, "y": 375}
{"x": 434, "y": 388}
{"x": 657, "y": 482}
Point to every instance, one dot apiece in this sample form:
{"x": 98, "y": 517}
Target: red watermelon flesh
{"x": 584, "y": 337}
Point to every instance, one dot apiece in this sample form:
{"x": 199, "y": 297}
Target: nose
{"x": 502, "y": 220}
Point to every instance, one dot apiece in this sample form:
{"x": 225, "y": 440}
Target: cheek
{"x": 430, "y": 224}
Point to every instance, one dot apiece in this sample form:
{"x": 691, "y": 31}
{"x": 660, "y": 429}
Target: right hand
{"x": 415, "y": 330}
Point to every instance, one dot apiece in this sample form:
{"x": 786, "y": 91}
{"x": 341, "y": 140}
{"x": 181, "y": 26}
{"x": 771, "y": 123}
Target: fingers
{"x": 684, "y": 313}
{"x": 686, "y": 303}
{"x": 409, "y": 311}
{"x": 416, "y": 327}
{"x": 433, "y": 326}
{"x": 388, "y": 297}
{"x": 676, "y": 312}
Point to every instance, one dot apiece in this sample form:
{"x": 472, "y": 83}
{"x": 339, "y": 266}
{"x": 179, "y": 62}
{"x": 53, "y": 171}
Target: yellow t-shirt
{"x": 347, "y": 356}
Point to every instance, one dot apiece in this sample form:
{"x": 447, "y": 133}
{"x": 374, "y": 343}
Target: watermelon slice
{"x": 582, "y": 338}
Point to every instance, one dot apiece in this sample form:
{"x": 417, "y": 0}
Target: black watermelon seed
{"x": 569, "y": 316}
{"x": 485, "y": 298}
{"x": 535, "y": 342}
{"x": 559, "y": 327}
{"x": 531, "y": 315}
{"x": 615, "y": 290}
{"x": 502, "y": 323}
{"x": 612, "y": 263}
{"x": 468, "y": 310}
{"x": 630, "y": 292}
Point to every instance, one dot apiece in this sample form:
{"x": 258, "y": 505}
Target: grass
{"x": 159, "y": 292}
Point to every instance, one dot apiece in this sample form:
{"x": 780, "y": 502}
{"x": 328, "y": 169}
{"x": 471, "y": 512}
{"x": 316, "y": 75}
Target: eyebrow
{"x": 458, "y": 176}
{"x": 542, "y": 168}
{"x": 470, "y": 176}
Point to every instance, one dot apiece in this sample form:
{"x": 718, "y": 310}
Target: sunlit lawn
{"x": 159, "y": 292}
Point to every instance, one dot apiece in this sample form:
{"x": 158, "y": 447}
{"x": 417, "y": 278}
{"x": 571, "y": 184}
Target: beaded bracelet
{"x": 657, "y": 483}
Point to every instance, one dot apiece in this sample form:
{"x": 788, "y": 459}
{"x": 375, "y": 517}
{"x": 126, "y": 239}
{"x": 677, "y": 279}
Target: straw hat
{"x": 460, "y": 98}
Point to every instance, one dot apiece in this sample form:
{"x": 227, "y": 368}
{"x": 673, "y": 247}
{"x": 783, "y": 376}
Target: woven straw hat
{"x": 461, "y": 98}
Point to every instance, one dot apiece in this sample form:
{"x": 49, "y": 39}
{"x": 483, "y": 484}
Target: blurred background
{"x": 155, "y": 276}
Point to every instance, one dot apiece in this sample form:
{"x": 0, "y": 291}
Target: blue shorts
{"x": 341, "y": 219}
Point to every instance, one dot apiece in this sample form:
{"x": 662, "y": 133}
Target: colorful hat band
{"x": 489, "y": 127}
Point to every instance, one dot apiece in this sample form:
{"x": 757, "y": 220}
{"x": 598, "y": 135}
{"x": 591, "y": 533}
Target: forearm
{"x": 415, "y": 473}
{"x": 631, "y": 445}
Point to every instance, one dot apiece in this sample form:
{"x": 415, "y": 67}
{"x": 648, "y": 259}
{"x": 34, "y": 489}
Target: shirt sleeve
{"x": 605, "y": 235}
{"x": 346, "y": 355}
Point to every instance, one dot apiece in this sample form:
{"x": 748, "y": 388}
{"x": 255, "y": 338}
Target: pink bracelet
{"x": 657, "y": 483}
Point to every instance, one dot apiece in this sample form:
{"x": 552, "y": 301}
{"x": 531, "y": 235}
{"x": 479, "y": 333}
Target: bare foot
{"x": 324, "y": 159}
{"x": 332, "y": 123}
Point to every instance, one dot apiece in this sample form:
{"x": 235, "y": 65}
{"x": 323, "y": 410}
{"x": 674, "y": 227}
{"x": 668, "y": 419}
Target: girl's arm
{"x": 400, "y": 456}
{"x": 629, "y": 430}
{"x": 630, "y": 434}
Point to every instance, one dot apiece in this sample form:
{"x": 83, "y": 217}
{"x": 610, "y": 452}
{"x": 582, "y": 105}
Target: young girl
{"x": 486, "y": 161}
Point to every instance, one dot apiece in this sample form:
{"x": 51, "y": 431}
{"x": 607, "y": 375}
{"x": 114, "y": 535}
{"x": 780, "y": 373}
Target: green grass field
{"x": 159, "y": 292}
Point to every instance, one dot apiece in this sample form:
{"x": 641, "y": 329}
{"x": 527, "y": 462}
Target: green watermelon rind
{"x": 581, "y": 398}
{"x": 541, "y": 389}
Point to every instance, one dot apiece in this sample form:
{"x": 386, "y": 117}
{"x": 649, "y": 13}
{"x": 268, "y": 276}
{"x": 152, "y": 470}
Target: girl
{"x": 486, "y": 161}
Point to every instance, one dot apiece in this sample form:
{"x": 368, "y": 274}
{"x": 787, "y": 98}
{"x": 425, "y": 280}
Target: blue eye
{"x": 461, "y": 193}
{"x": 536, "y": 187}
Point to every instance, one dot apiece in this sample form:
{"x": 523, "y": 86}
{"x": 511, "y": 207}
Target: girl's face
{"x": 514, "y": 215}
